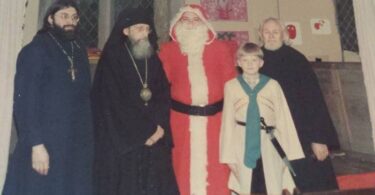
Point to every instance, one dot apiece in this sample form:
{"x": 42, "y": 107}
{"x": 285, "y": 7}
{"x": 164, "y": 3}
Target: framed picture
{"x": 237, "y": 36}
{"x": 233, "y": 10}
{"x": 294, "y": 32}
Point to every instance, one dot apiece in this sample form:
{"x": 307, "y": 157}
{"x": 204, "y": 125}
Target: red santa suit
{"x": 197, "y": 84}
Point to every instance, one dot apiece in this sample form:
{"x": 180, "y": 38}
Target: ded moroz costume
{"x": 197, "y": 84}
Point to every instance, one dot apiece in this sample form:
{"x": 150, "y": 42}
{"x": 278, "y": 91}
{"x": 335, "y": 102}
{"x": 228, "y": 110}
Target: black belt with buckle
{"x": 241, "y": 123}
{"x": 208, "y": 110}
{"x": 268, "y": 129}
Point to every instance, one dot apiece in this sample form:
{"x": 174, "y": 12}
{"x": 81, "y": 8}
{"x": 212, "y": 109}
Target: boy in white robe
{"x": 244, "y": 146}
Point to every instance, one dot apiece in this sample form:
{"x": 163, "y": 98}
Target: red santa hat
{"x": 199, "y": 11}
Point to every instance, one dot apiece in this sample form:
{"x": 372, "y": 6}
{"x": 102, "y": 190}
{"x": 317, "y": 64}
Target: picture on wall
{"x": 231, "y": 10}
{"x": 294, "y": 32}
{"x": 320, "y": 26}
{"x": 236, "y": 36}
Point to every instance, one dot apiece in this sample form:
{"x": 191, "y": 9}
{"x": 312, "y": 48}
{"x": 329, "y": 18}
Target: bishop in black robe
{"x": 124, "y": 165}
{"x": 310, "y": 114}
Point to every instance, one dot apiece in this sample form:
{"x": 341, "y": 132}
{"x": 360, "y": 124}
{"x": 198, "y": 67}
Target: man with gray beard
{"x": 197, "y": 66}
{"x": 131, "y": 103}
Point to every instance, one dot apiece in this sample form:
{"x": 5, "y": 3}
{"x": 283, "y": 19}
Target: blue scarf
{"x": 252, "y": 142}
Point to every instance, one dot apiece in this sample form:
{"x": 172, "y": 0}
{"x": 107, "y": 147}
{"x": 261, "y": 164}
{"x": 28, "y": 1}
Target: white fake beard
{"x": 192, "y": 41}
{"x": 141, "y": 49}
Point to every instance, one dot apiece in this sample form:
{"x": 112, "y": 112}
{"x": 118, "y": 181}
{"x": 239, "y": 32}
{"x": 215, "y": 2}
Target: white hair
{"x": 284, "y": 31}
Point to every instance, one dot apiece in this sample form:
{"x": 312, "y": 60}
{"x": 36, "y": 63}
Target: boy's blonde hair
{"x": 249, "y": 48}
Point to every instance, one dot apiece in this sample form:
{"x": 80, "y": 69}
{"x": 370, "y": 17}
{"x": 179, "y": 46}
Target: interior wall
{"x": 30, "y": 28}
{"x": 31, "y": 21}
{"x": 325, "y": 47}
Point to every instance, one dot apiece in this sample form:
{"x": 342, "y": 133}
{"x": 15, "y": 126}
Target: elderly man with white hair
{"x": 309, "y": 111}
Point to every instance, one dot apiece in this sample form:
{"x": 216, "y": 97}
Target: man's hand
{"x": 320, "y": 151}
{"x": 159, "y": 133}
{"x": 40, "y": 159}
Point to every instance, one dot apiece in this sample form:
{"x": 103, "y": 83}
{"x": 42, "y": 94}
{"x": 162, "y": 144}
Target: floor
{"x": 346, "y": 163}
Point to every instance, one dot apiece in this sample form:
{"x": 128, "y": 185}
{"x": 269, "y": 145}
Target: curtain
{"x": 364, "y": 13}
{"x": 11, "y": 32}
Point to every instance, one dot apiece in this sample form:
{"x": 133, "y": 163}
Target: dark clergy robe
{"x": 310, "y": 114}
{"x": 124, "y": 165}
{"x": 51, "y": 109}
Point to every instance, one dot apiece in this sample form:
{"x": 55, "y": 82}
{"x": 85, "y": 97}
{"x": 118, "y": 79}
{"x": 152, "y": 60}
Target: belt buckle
{"x": 203, "y": 110}
{"x": 199, "y": 110}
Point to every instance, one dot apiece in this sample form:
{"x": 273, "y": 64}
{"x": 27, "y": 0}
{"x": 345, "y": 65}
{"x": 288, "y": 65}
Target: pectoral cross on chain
{"x": 72, "y": 71}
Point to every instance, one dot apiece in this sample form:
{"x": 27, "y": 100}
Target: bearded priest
{"x": 131, "y": 105}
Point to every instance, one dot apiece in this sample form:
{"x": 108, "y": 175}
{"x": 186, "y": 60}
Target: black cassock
{"x": 123, "y": 123}
{"x": 310, "y": 114}
{"x": 51, "y": 109}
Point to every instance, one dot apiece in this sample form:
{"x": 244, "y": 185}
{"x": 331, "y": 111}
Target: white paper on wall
{"x": 320, "y": 26}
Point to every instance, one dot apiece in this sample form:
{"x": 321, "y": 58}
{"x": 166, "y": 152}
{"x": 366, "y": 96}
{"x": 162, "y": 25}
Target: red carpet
{"x": 356, "y": 181}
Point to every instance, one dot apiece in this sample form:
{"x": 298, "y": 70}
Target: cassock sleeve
{"x": 162, "y": 105}
{"x": 227, "y": 127}
{"x": 285, "y": 129}
{"x": 163, "y": 55}
{"x": 321, "y": 126}
{"x": 28, "y": 95}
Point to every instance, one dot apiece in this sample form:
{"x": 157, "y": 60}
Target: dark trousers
{"x": 258, "y": 182}
{"x": 314, "y": 175}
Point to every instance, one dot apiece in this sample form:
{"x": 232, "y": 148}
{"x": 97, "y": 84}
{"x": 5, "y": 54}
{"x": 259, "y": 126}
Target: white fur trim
{"x": 200, "y": 15}
{"x": 198, "y": 126}
{"x": 198, "y": 79}
{"x": 198, "y": 155}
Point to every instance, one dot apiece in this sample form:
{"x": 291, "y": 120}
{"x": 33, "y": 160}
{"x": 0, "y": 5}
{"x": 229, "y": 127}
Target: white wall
{"x": 326, "y": 47}
{"x": 31, "y": 22}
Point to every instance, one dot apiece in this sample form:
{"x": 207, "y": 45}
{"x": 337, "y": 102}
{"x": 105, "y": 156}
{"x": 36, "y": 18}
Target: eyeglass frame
{"x": 141, "y": 29}
{"x": 65, "y": 16}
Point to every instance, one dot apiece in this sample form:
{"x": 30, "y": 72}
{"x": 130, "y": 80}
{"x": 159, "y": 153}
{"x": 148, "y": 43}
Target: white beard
{"x": 273, "y": 46}
{"x": 191, "y": 41}
{"x": 141, "y": 49}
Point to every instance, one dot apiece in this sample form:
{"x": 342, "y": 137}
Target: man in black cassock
{"x": 131, "y": 102}
{"x": 309, "y": 111}
{"x": 52, "y": 113}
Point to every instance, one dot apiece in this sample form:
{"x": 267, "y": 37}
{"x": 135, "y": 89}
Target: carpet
{"x": 356, "y": 181}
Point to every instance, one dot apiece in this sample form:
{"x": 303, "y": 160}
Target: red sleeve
{"x": 228, "y": 60}
{"x": 163, "y": 55}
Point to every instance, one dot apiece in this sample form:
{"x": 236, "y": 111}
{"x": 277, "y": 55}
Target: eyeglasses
{"x": 64, "y": 16}
{"x": 190, "y": 19}
{"x": 142, "y": 29}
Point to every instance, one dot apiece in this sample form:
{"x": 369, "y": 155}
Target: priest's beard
{"x": 66, "y": 32}
{"x": 192, "y": 41}
{"x": 141, "y": 49}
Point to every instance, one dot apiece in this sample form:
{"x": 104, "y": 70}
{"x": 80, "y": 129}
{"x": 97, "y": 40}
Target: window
{"x": 89, "y": 17}
{"x": 346, "y": 25}
{"x": 89, "y": 22}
